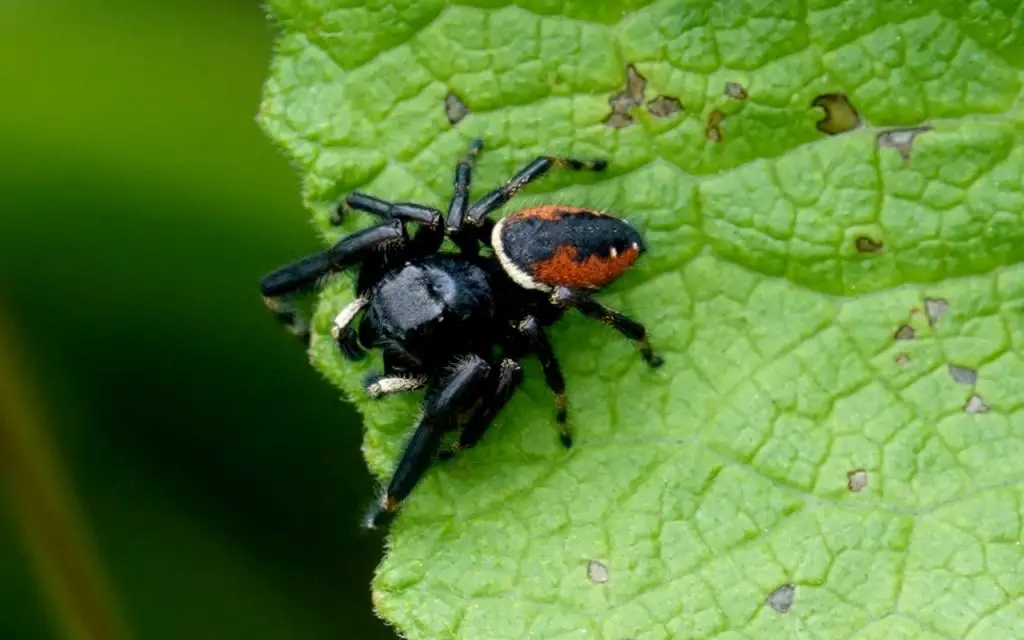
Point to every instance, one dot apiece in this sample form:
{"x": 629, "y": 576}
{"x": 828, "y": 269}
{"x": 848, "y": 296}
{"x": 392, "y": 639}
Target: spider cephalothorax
{"x": 458, "y": 323}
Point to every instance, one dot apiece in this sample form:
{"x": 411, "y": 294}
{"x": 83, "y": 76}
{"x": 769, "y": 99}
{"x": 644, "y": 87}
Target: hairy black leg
{"x": 281, "y": 287}
{"x": 427, "y": 238}
{"x": 460, "y": 185}
{"x": 618, "y": 321}
{"x": 457, "y": 392}
{"x": 343, "y": 333}
{"x": 380, "y": 385}
{"x": 541, "y": 347}
{"x": 539, "y": 167}
{"x": 505, "y": 381}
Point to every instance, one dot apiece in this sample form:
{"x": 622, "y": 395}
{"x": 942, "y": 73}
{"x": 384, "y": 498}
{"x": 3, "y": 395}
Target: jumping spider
{"x": 458, "y": 323}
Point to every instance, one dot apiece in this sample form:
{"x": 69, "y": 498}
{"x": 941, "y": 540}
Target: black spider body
{"x": 457, "y": 324}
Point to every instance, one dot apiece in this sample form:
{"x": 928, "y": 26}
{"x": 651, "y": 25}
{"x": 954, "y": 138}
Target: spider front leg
{"x": 455, "y": 394}
{"x": 281, "y": 287}
{"x": 428, "y": 236}
{"x": 536, "y": 169}
{"x": 620, "y": 322}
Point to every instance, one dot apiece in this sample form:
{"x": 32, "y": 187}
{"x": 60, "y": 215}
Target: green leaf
{"x": 833, "y": 447}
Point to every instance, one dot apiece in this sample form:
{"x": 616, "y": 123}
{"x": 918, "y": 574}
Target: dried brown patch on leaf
{"x": 963, "y": 375}
{"x": 865, "y": 244}
{"x": 856, "y": 480}
{"x": 632, "y": 95}
{"x": 976, "y": 404}
{"x": 935, "y": 308}
{"x": 782, "y": 598}
{"x": 454, "y": 108}
{"x": 664, "y": 106}
{"x": 736, "y": 91}
{"x": 905, "y": 332}
{"x": 840, "y": 114}
{"x": 597, "y": 572}
{"x": 713, "y": 132}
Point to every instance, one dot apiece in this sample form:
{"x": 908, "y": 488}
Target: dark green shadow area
{"x": 219, "y": 476}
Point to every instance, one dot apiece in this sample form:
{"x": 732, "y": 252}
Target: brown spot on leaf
{"x": 905, "y": 332}
{"x": 632, "y": 95}
{"x": 735, "y": 90}
{"x": 840, "y": 114}
{"x": 454, "y": 108}
{"x": 664, "y": 106}
{"x": 714, "y": 128}
{"x": 597, "y": 572}
{"x": 856, "y": 480}
{"x": 976, "y": 404}
{"x": 865, "y": 244}
{"x": 782, "y": 598}
{"x": 963, "y": 375}
{"x": 935, "y": 308}
{"x": 901, "y": 140}
{"x": 903, "y": 360}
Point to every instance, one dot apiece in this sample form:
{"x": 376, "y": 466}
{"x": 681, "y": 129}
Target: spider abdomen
{"x": 559, "y": 246}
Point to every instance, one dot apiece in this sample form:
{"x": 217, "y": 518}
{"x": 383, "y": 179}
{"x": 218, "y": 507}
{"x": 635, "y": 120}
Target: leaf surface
{"x": 833, "y": 447}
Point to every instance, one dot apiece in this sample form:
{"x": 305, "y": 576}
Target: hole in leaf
{"x": 963, "y": 375}
{"x": 856, "y": 480}
{"x": 454, "y": 108}
{"x": 865, "y": 244}
{"x": 902, "y": 140}
{"x": 903, "y": 360}
{"x": 935, "y": 308}
{"x": 840, "y": 114}
{"x": 597, "y": 572}
{"x": 976, "y": 404}
{"x": 735, "y": 90}
{"x": 782, "y": 598}
{"x": 664, "y": 106}
{"x": 905, "y": 332}
{"x": 714, "y": 128}
{"x": 632, "y": 95}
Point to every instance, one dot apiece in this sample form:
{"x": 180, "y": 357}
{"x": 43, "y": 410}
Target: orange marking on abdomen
{"x": 548, "y": 212}
{"x": 564, "y": 270}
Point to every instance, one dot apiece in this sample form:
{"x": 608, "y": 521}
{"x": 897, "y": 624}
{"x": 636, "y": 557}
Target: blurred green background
{"x": 217, "y": 478}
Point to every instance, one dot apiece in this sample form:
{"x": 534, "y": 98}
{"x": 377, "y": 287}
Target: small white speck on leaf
{"x": 902, "y": 140}
{"x": 856, "y": 480}
{"x": 976, "y": 404}
{"x": 782, "y": 598}
{"x": 935, "y": 308}
{"x": 963, "y": 375}
{"x": 597, "y": 572}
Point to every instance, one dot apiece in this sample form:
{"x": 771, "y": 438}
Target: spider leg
{"x": 281, "y": 287}
{"x": 460, "y": 199}
{"x": 428, "y": 236}
{"x": 381, "y": 384}
{"x": 342, "y": 331}
{"x": 536, "y": 169}
{"x": 620, "y": 322}
{"x": 456, "y": 392}
{"x": 506, "y": 379}
{"x": 539, "y": 345}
